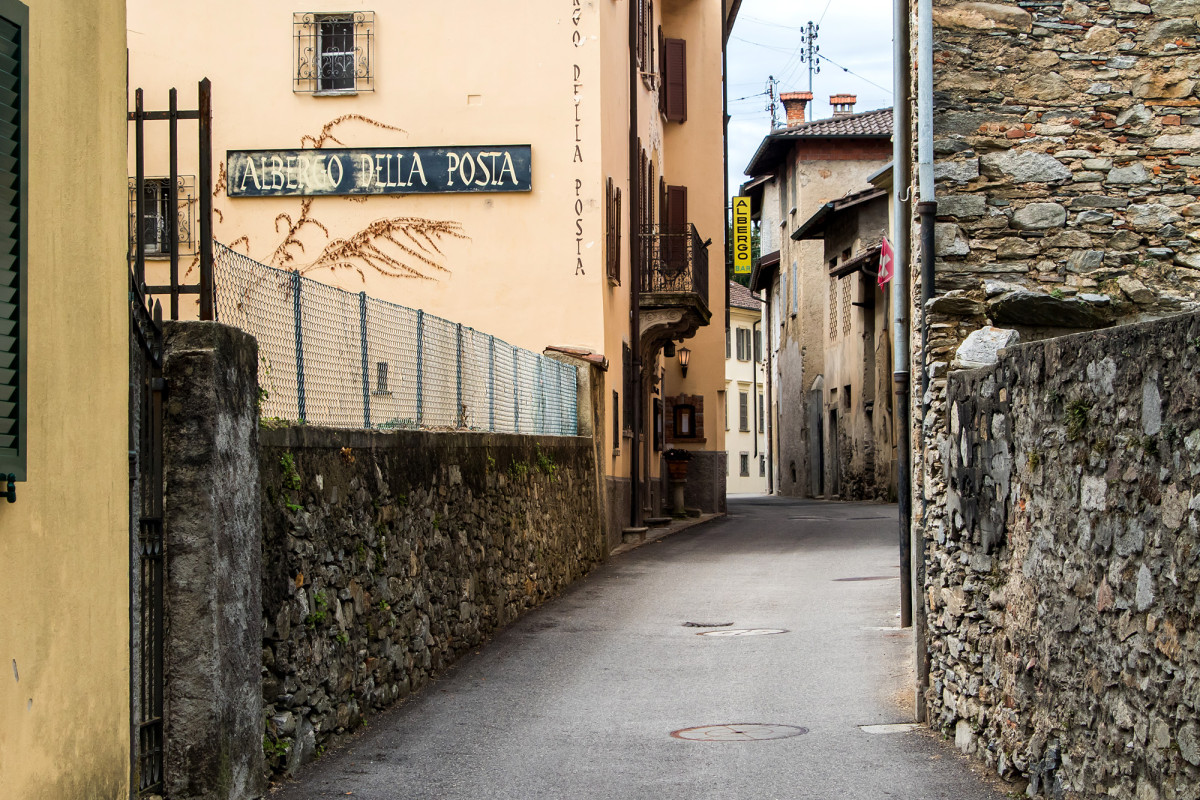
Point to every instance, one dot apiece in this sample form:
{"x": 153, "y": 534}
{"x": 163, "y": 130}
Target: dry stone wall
{"x": 1067, "y": 145}
{"x": 1062, "y": 593}
{"x": 387, "y": 555}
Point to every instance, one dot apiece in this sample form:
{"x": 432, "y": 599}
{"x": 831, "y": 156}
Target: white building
{"x": 745, "y": 394}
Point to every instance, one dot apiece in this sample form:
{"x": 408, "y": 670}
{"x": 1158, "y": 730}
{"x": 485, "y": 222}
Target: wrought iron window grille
{"x": 333, "y": 52}
{"x": 156, "y": 213}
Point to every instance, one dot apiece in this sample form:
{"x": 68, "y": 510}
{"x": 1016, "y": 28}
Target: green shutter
{"x": 14, "y": 104}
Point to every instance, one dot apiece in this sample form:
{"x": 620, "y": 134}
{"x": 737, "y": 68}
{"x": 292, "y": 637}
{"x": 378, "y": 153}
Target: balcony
{"x": 674, "y": 286}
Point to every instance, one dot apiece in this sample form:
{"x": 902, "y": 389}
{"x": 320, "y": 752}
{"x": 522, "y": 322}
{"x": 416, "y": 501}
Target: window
{"x": 685, "y": 422}
{"x": 612, "y": 233}
{"x": 795, "y": 290}
{"x": 616, "y": 421}
{"x": 157, "y": 216}
{"x": 381, "y": 378}
{"x": 332, "y": 52}
{"x": 743, "y": 344}
{"x": 627, "y": 376}
{"x": 761, "y": 422}
{"x": 757, "y": 346}
{"x": 833, "y": 308}
{"x": 743, "y": 411}
{"x": 728, "y": 352}
{"x": 744, "y": 460}
{"x": 14, "y": 143}
{"x": 685, "y": 416}
{"x": 762, "y": 466}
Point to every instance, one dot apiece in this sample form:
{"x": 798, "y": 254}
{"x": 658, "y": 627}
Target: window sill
{"x": 335, "y": 93}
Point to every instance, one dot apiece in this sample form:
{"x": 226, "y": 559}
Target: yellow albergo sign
{"x": 741, "y": 235}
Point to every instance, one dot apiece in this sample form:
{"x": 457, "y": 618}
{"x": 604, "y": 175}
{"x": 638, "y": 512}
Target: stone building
{"x": 851, "y": 433}
{"x": 745, "y": 394}
{"x": 795, "y": 171}
{"x": 515, "y": 183}
{"x": 1067, "y": 165}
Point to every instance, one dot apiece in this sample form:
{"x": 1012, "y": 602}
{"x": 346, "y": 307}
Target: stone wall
{"x": 386, "y": 556}
{"x": 1067, "y": 146}
{"x": 1062, "y": 592}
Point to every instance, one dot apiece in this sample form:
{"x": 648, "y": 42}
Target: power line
{"x": 826, "y": 11}
{"x": 855, "y": 74}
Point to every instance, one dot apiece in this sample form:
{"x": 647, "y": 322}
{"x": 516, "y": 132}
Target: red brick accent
{"x": 696, "y": 401}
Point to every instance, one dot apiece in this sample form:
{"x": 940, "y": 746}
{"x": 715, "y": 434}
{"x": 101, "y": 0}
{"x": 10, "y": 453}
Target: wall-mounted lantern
{"x": 685, "y": 356}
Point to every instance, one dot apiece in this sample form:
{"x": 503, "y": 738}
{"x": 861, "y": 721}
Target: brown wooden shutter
{"x": 662, "y": 72}
{"x": 676, "y": 226}
{"x": 675, "y": 79}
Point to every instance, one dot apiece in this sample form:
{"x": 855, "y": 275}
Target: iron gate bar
{"x": 206, "y": 199}
{"x": 140, "y": 189}
{"x": 173, "y": 200}
{"x": 296, "y": 316}
{"x": 204, "y": 115}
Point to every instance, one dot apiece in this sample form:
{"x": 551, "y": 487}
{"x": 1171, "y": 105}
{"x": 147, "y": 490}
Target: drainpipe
{"x": 635, "y": 283}
{"x": 770, "y": 416}
{"x": 754, "y": 370}
{"x": 928, "y": 211}
{"x": 901, "y": 178}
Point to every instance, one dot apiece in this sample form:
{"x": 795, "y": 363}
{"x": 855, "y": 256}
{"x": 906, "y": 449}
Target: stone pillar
{"x": 213, "y": 534}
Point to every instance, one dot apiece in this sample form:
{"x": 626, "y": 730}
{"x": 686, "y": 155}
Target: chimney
{"x": 842, "y": 104}
{"x": 794, "y": 103}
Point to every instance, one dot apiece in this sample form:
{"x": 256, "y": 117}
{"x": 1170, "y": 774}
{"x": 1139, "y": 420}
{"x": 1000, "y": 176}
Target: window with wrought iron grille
{"x": 847, "y": 321}
{"x": 833, "y": 308}
{"x": 157, "y": 217}
{"x": 333, "y": 52}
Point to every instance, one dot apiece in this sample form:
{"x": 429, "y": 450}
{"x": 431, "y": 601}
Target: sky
{"x": 854, "y": 35}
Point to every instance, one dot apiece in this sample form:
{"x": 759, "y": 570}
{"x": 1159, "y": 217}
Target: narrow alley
{"x": 596, "y": 694}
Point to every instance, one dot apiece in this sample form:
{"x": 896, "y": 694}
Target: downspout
{"x": 928, "y": 211}
{"x": 770, "y": 415}
{"x": 726, "y": 207}
{"x": 754, "y": 371}
{"x": 635, "y": 282}
{"x": 901, "y": 178}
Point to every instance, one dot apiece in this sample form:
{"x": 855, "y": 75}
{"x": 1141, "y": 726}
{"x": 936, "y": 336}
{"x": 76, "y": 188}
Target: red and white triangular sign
{"x": 887, "y": 259}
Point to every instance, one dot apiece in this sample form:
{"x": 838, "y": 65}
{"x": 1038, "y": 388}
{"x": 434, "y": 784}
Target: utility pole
{"x": 773, "y": 100}
{"x": 810, "y": 51}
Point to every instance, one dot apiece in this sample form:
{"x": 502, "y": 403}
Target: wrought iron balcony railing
{"x": 674, "y": 262}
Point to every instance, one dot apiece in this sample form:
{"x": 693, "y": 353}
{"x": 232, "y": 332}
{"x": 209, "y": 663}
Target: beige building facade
{"x": 745, "y": 393}
{"x": 795, "y": 172}
{"x": 65, "y": 715}
{"x": 515, "y": 181}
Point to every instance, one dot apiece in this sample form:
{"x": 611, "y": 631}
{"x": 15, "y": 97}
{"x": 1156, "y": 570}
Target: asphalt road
{"x": 581, "y": 697}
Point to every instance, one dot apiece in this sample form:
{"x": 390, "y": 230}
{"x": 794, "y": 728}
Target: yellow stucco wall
{"x": 64, "y": 639}
{"x": 553, "y": 74}
{"x": 460, "y": 72}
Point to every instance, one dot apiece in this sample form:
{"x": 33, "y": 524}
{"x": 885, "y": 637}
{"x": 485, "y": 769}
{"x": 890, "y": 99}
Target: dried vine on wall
{"x": 397, "y": 247}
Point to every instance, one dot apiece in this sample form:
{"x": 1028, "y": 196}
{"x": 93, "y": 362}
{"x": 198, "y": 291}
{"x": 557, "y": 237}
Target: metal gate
{"x": 146, "y": 602}
{"x": 159, "y": 225}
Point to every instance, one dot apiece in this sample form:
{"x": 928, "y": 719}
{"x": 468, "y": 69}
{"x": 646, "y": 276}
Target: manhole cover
{"x": 869, "y": 578}
{"x": 739, "y": 732}
{"x": 743, "y": 632}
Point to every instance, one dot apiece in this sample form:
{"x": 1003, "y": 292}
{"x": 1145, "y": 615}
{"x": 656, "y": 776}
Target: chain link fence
{"x": 336, "y": 358}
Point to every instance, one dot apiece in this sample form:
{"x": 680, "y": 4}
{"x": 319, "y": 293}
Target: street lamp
{"x": 685, "y": 355}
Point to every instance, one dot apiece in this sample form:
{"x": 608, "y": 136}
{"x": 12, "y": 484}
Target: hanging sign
{"x": 379, "y": 170}
{"x": 887, "y": 261}
{"x": 741, "y": 236}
